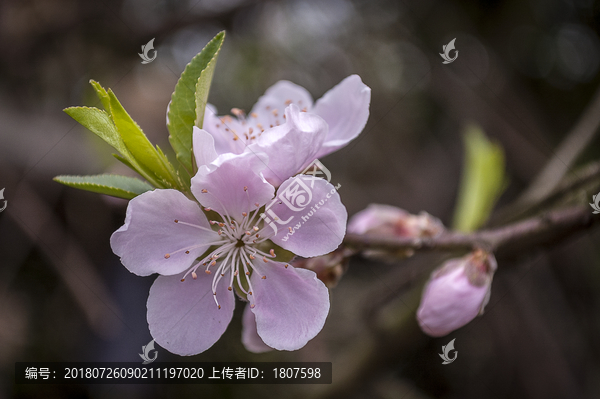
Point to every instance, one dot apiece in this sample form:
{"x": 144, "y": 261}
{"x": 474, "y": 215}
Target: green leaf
{"x": 124, "y": 161}
{"x": 102, "y": 94}
{"x": 114, "y": 185}
{"x": 203, "y": 88}
{"x": 138, "y": 144}
{"x": 175, "y": 176}
{"x": 190, "y": 93}
{"x": 120, "y": 131}
{"x": 483, "y": 180}
{"x": 99, "y": 123}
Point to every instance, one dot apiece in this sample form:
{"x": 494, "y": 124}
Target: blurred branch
{"x": 393, "y": 330}
{"x": 535, "y": 231}
{"x": 585, "y": 179}
{"x": 36, "y": 219}
{"x": 566, "y": 154}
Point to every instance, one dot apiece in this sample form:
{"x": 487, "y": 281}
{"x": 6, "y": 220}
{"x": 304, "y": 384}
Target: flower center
{"x": 236, "y": 252}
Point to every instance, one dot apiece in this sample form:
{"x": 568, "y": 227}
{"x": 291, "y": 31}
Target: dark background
{"x": 526, "y": 71}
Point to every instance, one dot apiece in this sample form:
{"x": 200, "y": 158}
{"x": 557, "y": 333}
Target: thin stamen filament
{"x": 221, "y": 269}
{"x": 261, "y": 253}
{"x": 250, "y": 289}
{"x": 194, "y": 225}
{"x": 207, "y": 244}
{"x": 226, "y": 216}
{"x": 266, "y": 237}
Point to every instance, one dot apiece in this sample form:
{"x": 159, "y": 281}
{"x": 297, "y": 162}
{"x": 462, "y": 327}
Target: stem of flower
{"x": 511, "y": 238}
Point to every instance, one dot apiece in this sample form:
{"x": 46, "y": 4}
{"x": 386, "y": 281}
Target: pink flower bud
{"x": 456, "y": 293}
{"x": 390, "y": 220}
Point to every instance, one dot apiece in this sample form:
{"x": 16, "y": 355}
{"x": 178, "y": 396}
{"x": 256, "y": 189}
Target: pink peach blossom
{"x": 202, "y": 262}
{"x": 290, "y": 129}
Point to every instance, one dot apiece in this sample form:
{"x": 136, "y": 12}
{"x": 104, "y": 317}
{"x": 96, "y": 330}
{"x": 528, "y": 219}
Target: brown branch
{"x": 512, "y": 238}
{"x": 394, "y": 332}
{"x": 566, "y": 154}
{"x": 584, "y": 181}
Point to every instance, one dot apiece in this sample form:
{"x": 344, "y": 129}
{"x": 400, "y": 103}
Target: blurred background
{"x": 526, "y": 71}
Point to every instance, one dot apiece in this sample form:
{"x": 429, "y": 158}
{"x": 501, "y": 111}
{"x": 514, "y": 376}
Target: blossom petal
{"x": 204, "y": 147}
{"x": 224, "y": 141}
{"x": 276, "y": 99}
{"x": 345, "y": 108}
{"x": 234, "y": 186}
{"x": 290, "y": 305}
{"x": 311, "y": 219}
{"x": 291, "y": 146}
{"x": 183, "y": 316}
{"x": 168, "y": 108}
{"x": 150, "y": 232}
{"x": 250, "y": 337}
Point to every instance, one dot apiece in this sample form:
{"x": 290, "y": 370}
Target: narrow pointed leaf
{"x": 170, "y": 167}
{"x": 99, "y": 123}
{"x": 103, "y": 125}
{"x": 125, "y": 161}
{"x": 102, "y": 94}
{"x": 137, "y": 143}
{"x": 203, "y": 88}
{"x": 114, "y": 185}
{"x": 182, "y": 114}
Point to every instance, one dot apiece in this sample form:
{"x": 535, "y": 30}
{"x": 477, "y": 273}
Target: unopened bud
{"x": 389, "y": 220}
{"x": 456, "y": 293}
